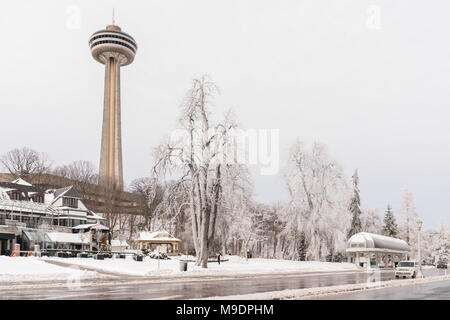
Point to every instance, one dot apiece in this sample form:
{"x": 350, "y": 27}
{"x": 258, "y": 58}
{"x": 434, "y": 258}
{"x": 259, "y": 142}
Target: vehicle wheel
{"x": 396, "y": 277}
{"x": 413, "y": 276}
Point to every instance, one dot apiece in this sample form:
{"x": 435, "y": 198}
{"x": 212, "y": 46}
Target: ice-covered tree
{"x": 371, "y": 221}
{"x": 199, "y": 155}
{"x": 354, "y": 207}
{"x": 409, "y": 227}
{"x": 441, "y": 248}
{"x": 317, "y": 203}
{"x": 390, "y": 228}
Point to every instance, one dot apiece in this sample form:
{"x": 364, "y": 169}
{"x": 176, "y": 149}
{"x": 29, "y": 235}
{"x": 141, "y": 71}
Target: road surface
{"x": 195, "y": 289}
{"x": 439, "y": 290}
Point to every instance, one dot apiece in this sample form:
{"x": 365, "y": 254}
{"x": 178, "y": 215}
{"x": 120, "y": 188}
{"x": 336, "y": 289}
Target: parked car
{"x": 441, "y": 265}
{"x": 407, "y": 269}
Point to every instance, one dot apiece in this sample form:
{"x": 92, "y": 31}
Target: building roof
{"x": 119, "y": 243}
{"x": 364, "y": 240}
{"x": 27, "y": 206}
{"x": 93, "y": 215}
{"x": 22, "y": 182}
{"x": 94, "y": 226}
{"x": 64, "y": 237}
{"x": 25, "y": 188}
{"x": 157, "y": 236}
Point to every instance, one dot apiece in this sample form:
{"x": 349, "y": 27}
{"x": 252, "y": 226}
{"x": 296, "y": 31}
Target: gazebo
{"x": 370, "y": 250}
{"x": 159, "y": 240}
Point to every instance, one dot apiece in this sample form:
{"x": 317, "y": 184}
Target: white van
{"x": 407, "y": 269}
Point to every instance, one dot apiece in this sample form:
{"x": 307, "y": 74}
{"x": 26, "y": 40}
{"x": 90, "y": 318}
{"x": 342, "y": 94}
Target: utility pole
{"x": 420, "y": 249}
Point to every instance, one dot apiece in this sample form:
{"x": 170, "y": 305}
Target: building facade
{"x": 51, "y": 218}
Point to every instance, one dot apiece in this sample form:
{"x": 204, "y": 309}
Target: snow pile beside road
{"x": 235, "y": 266}
{"x": 21, "y": 269}
{"x": 312, "y": 293}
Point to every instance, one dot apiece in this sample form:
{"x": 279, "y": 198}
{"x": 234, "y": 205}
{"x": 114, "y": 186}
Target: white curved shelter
{"x": 370, "y": 250}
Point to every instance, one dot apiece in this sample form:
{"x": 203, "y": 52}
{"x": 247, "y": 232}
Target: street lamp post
{"x": 420, "y": 249}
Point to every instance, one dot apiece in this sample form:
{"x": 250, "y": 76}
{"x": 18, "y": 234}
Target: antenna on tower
{"x": 113, "y": 18}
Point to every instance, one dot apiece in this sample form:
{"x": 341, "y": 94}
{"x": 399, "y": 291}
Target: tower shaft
{"x": 110, "y": 173}
{"x": 115, "y": 49}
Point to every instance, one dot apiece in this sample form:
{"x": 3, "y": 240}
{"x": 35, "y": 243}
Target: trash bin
{"x": 138, "y": 257}
{"x": 183, "y": 265}
{"x": 98, "y": 256}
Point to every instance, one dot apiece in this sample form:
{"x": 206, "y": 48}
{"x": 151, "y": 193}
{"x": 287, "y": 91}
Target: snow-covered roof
{"x": 64, "y": 237}
{"x": 93, "y": 215}
{"x": 26, "y": 206}
{"x": 157, "y": 236}
{"x": 365, "y": 240}
{"x": 119, "y": 243}
{"x": 94, "y": 226}
{"x": 22, "y": 182}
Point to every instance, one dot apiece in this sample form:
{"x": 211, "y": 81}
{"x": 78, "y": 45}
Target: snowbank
{"x": 312, "y": 293}
{"x": 235, "y": 266}
{"x": 21, "y": 269}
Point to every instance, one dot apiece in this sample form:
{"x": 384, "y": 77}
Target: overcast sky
{"x": 370, "y": 79}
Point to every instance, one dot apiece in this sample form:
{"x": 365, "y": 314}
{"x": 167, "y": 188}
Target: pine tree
{"x": 390, "y": 226}
{"x": 354, "y": 209}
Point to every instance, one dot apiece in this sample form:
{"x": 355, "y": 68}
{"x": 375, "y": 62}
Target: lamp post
{"x": 420, "y": 249}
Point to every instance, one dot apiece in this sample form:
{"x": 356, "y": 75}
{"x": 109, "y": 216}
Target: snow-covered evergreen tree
{"x": 390, "y": 228}
{"x": 354, "y": 209}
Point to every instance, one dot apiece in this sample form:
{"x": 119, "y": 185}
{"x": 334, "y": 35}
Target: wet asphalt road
{"x": 202, "y": 289}
{"x": 439, "y": 290}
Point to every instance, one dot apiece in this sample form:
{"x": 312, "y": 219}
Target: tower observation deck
{"x": 114, "y": 49}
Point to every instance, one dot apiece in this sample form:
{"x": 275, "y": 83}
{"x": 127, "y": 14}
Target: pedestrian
{"x": 218, "y": 258}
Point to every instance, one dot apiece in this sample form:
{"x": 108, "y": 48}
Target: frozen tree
{"x": 441, "y": 248}
{"x": 199, "y": 156}
{"x": 354, "y": 209}
{"x": 371, "y": 221}
{"x": 316, "y": 209}
{"x": 152, "y": 193}
{"x": 409, "y": 227}
{"x": 390, "y": 228}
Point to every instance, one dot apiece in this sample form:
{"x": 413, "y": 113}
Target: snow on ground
{"x": 22, "y": 269}
{"x": 235, "y": 266}
{"x": 311, "y": 293}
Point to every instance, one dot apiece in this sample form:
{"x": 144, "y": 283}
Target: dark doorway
{"x": 4, "y": 239}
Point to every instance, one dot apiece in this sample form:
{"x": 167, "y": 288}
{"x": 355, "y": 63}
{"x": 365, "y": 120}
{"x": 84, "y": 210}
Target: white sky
{"x": 313, "y": 69}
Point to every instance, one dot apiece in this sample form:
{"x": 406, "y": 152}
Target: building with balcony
{"x": 32, "y": 216}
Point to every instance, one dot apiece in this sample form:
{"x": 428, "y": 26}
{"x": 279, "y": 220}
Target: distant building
{"x": 119, "y": 245}
{"x": 159, "y": 240}
{"x": 32, "y": 216}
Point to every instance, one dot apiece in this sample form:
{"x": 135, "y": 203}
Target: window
{"x": 38, "y": 198}
{"x": 70, "y": 202}
{"x": 16, "y": 196}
